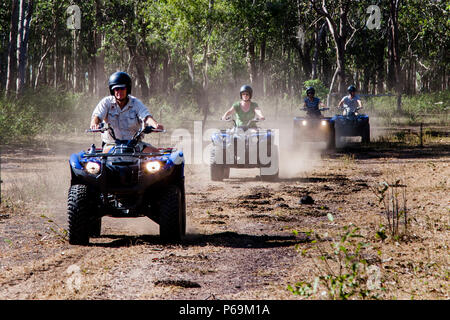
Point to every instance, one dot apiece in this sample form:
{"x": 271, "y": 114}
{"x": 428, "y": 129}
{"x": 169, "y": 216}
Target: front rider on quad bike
{"x": 350, "y": 103}
{"x": 312, "y": 103}
{"x": 245, "y": 110}
{"x": 124, "y": 112}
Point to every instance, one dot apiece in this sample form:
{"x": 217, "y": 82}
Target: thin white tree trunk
{"x": 12, "y": 47}
{"x": 25, "y": 10}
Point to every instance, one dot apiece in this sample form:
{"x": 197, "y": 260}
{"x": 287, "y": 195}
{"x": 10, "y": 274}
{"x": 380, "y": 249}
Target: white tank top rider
{"x": 350, "y": 103}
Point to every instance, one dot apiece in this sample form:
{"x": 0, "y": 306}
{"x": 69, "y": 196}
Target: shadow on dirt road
{"x": 394, "y": 150}
{"x": 224, "y": 239}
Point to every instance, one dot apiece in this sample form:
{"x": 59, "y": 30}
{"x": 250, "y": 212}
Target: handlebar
{"x": 357, "y": 108}
{"x": 95, "y": 130}
{"x": 150, "y": 129}
{"x": 248, "y": 123}
{"x": 322, "y": 109}
{"x": 105, "y": 127}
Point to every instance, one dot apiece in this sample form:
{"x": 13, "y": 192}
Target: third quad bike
{"x": 244, "y": 147}
{"x": 352, "y": 124}
{"x": 126, "y": 183}
{"x": 314, "y": 128}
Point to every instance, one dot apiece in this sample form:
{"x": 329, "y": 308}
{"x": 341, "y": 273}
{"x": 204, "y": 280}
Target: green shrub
{"x": 46, "y": 110}
{"x": 342, "y": 271}
{"x": 321, "y": 90}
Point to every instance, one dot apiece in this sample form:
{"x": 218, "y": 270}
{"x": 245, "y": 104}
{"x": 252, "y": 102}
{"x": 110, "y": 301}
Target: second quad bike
{"x": 314, "y": 127}
{"x": 352, "y": 124}
{"x": 244, "y": 147}
{"x": 126, "y": 183}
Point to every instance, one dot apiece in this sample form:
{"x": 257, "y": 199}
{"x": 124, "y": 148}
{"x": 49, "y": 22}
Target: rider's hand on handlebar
{"x": 148, "y": 129}
{"x": 95, "y": 126}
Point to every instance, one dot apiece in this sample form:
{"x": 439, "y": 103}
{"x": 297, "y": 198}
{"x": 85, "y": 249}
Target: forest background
{"x": 188, "y": 58}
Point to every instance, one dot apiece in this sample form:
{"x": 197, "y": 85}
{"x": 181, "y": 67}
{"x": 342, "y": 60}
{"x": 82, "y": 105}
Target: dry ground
{"x": 240, "y": 242}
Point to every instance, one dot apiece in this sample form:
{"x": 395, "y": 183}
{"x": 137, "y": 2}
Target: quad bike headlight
{"x": 153, "y": 166}
{"x": 323, "y": 123}
{"x": 92, "y": 167}
{"x": 304, "y": 122}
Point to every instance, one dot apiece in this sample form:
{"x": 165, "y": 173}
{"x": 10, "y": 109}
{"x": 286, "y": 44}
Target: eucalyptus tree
{"x": 5, "y": 18}
{"x": 337, "y": 16}
{"x": 191, "y": 29}
{"x": 424, "y": 28}
{"x": 11, "y": 69}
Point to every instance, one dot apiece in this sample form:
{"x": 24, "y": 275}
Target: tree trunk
{"x": 340, "y": 66}
{"x": 190, "y": 62}
{"x": 262, "y": 67}
{"x": 100, "y": 74}
{"x": 25, "y": 11}
{"x": 380, "y": 75}
{"x": 395, "y": 50}
{"x": 139, "y": 64}
{"x": 191, "y": 70}
{"x": 165, "y": 73}
{"x": 56, "y": 63}
{"x": 305, "y": 59}
{"x": 40, "y": 66}
{"x": 12, "y": 47}
{"x": 319, "y": 35}
{"x": 251, "y": 59}
{"x": 338, "y": 30}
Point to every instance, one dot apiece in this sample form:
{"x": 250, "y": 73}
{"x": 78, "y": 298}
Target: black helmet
{"x": 246, "y": 88}
{"x": 119, "y": 79}
{"x": 351, "y": 88}
{"x": 310, "y": 89}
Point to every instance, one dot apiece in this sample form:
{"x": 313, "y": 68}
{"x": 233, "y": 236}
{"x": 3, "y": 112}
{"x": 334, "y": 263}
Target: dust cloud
{"x": 296, "y": 161}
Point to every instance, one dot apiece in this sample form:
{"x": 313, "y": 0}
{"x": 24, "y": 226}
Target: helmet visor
{"x": 118, "y": 86}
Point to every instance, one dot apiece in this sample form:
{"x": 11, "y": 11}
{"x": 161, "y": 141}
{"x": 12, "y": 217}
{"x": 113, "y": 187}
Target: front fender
{"x": 75, "y": 160}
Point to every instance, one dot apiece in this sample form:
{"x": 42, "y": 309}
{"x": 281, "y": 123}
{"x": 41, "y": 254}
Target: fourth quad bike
{"x": 352, "y": 124}
{"x": 244, "y": 147}
{"x": 126, "y": 183}
{"x": 314, "y": 128}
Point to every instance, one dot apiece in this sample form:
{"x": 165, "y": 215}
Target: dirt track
{"x": 239, "y": 243}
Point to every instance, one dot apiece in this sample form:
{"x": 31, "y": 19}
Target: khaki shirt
{"x": 125, "y": 122}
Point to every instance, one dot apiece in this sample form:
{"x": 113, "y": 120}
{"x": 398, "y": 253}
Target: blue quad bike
{"x": 352, "y": 124}
{"x": 314, "y": 127}
{"x": 126, "y": 183}
{"x": 244, "y": 147}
